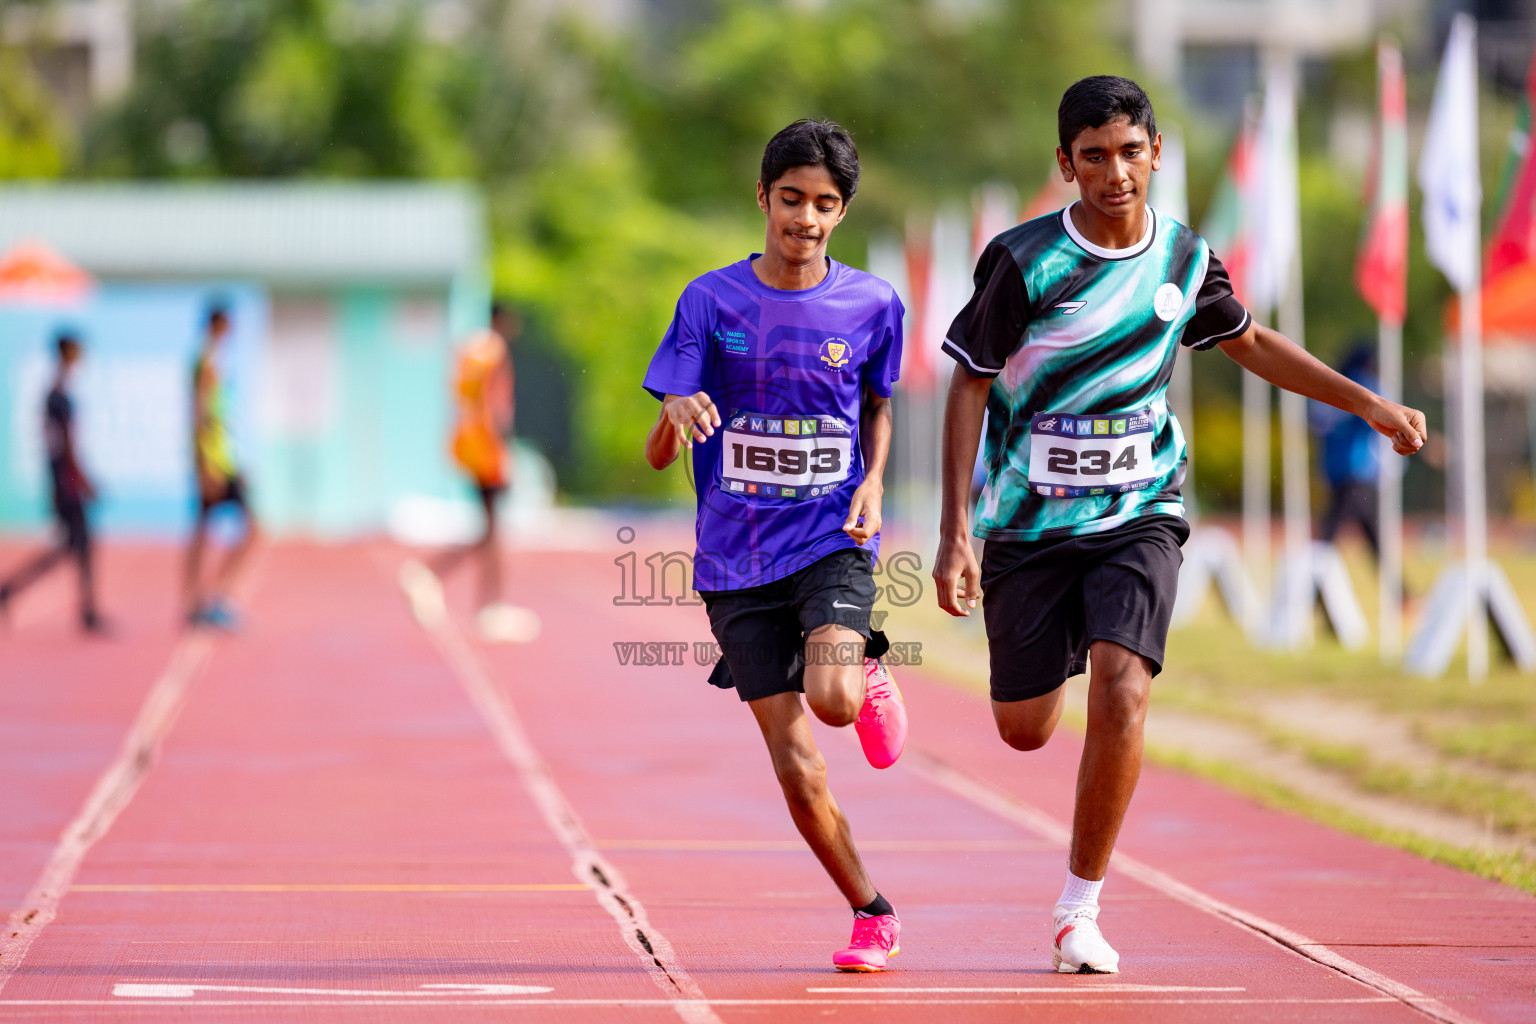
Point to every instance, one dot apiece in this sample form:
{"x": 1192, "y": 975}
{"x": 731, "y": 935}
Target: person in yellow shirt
{"x": 219, "y": 482}
{"x": 483, "y": 399}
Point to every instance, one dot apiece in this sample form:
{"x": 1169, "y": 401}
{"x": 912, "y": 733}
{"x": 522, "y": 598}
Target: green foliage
{"x": 603, "y": 264}
{"x": 268, "y": 88}
{"x": 33, "y": 141}
{"x": 619, "y": 165}
{"x": 938, "y": 104}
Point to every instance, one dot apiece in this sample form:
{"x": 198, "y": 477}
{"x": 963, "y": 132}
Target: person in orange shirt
{"x": 482, "y": 389}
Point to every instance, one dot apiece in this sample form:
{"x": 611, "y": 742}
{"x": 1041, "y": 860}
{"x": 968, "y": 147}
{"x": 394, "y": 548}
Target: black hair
{"x": 65, "y": 340}
{"x": 218, "y": 312}
{"x": 813, "y": 143}
{"x": 1097, "y": 100}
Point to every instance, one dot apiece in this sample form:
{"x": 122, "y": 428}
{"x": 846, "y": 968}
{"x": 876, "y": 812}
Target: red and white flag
{"x": 1229, "y": 223}
{"x": 1381, "y": 268}
{"x": 1514, "y": 237}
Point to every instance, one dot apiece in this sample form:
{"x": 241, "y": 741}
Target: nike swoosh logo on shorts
{"x": 839, "y": 604}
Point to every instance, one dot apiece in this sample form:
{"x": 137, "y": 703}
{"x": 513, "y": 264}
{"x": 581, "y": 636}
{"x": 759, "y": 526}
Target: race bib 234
{"x": 1088, "y": 456}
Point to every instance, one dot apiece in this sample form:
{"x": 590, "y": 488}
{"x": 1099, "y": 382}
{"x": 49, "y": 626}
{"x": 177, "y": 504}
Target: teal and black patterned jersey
{"x": 1080, "y": 340}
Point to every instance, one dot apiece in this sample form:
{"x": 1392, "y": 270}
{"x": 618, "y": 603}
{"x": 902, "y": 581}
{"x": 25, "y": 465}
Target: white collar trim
{"x": 1098, "y": 250}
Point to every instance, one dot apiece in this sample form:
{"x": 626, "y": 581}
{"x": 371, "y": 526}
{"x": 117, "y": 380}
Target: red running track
{"x": 339, "y": 816}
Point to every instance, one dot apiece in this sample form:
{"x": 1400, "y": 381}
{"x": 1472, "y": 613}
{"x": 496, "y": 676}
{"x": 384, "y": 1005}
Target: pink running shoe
{"x": 873, "y": 943}
{"x": 882, "y": 724}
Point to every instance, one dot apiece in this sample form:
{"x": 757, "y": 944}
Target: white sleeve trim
{"x": 1205, "y": 343}
{"x": 959, "y": 353}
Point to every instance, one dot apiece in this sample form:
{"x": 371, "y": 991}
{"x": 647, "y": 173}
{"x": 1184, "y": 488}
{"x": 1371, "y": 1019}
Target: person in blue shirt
{"x": 1351, "y": 457}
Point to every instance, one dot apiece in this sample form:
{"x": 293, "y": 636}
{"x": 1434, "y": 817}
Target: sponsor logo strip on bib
{"x": 794, "y": 457}
{"x": 1089, "y": 456}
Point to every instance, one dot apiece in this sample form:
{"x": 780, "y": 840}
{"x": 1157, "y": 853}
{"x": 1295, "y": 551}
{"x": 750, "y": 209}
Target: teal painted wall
{"x": 340, "y": 410}
{"x": 132, "y": 399}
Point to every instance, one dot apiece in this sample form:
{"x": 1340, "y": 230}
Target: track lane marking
{"x": 1067, "y": 998}
{"x": 114, "y": 789}
{"x": 1010, "y": 808}
{"x": 798, "y": 846}
{"x": 650, "y": 946}
{"x": 338, "y": 887}
{"x": 186, "y": 990}
{"x": 1051, "y": 989}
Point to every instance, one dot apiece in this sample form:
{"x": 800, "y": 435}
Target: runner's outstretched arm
{"x": 955, "y": 572}
{"x": 1273, "y": 356}
{"x": 683, "y": 420}
{"x": 875, "y": 443}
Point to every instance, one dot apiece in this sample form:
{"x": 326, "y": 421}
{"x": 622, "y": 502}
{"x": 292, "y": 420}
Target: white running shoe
{"x": 503, "y": 623}
{"x": 1078, "y": 947}
{"x": 424, "y": 591}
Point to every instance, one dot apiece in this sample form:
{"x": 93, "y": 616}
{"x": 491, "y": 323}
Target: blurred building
{"x": 346, "y": 299}
{"x": 1214, "y": 49}
{"x": 83, "y": 49}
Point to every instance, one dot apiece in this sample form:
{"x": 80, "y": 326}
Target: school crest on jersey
{"x": 835, "y": 353}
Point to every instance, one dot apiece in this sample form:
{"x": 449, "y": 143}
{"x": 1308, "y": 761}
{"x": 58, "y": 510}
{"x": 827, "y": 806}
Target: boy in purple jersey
{"x": 777, "y": 374}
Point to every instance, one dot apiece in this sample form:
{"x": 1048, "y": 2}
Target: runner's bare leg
{"x": 834, "y": 673}
{"x": 802, "y": 775}
{"x": 1118, "y": 687}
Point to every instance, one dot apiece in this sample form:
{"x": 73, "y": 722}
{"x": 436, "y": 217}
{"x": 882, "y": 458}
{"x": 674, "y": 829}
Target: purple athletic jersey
{"x": 787, "y": 372}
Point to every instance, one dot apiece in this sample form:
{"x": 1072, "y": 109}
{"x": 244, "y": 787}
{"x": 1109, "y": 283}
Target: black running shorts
{"x": 761, "y": 630}
{"x": 231, "y": 493}
{"x": 1045, "y": 601}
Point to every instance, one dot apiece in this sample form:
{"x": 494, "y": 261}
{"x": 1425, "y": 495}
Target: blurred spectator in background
{"x": 482, "y": 390}
{"x": 72, "y": 492}
{"x": 1351, "y": 456}
{"x": 219, "y": 483}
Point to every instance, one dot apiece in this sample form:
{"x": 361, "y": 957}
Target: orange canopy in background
{"x": 31, "y": 272}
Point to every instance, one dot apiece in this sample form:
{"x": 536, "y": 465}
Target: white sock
{"x": 1079, "y": 893}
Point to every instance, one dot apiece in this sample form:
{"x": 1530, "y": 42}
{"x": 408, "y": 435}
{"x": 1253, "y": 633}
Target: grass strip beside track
{"x": 1511, "y": 869}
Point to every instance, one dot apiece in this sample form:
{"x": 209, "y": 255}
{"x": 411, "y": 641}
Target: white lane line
{"x": 113, "y": 791}
{"x": 186, "y": 990}
{"x": 1010, "y": 808}
{"x": 652, "y": 947}
{"x": 1089, "y": 988}
{"x": 1067, "y": 998}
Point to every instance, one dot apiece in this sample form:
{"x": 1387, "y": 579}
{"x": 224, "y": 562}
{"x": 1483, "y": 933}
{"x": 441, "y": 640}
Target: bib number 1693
{"x": 792, "y": 462}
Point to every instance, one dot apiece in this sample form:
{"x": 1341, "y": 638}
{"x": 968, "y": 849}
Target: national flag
{"x": 1514, "y": 237}
{"x": 1381, "y": 267}
{"x": 1277, "y": 207}
{"x": 918, "y": 370}
{"x": 994, "y": 208}
{"x": 950, "y": 283}
{"x": 1448, "y": 165}
{"x": 1053, "y": 195}
{"x": 1229, "y": 224}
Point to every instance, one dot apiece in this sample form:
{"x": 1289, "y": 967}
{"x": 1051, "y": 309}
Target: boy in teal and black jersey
{"x": 1068, "y": 344}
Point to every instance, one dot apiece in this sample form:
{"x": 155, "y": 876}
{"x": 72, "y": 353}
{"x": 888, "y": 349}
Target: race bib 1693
{"x": 793, "y": 457}
{"x": 1087, "y": 456}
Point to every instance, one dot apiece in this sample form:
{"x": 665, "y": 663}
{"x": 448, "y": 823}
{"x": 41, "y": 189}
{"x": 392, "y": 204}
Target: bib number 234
{"x": 1089, "y": 456}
